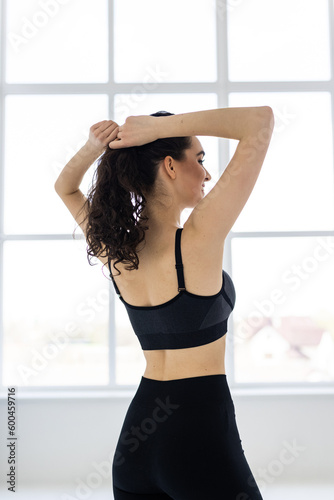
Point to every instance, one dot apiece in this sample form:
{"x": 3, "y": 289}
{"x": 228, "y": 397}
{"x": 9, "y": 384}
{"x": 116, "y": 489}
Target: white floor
{"x": 281, "y": 492}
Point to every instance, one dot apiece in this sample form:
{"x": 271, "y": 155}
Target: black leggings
{"x": 180, "y": 441}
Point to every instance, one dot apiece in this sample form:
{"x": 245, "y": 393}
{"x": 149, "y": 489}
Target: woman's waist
{"x": 198, "y": 361}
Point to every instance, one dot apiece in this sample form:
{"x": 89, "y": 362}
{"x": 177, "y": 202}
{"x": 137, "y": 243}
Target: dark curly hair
{"x": 116, "y": 199}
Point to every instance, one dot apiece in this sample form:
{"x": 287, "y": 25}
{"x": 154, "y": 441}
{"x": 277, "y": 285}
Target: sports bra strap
{"x": 178, "y": 264}
{"x": 178, "y": 260}
{"x": 111, "y": 276}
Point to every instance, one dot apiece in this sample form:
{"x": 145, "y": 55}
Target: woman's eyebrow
{"x": 201, "y": 153}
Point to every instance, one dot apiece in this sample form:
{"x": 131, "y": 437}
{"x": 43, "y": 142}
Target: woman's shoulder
{"x": 201, "y": 241}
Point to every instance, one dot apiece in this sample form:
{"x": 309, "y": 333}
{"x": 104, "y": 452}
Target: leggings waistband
{"x": 193, "y": 390}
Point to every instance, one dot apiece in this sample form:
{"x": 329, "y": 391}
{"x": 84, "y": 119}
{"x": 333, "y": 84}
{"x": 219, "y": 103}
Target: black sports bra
{"x": 186, "y": 320}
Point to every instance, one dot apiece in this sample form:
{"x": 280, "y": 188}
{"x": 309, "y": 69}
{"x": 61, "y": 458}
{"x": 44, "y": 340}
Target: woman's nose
{"x": 208, "y": 176}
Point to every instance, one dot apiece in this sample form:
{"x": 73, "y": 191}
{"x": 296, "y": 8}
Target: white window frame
{"x": 222, "y": 88}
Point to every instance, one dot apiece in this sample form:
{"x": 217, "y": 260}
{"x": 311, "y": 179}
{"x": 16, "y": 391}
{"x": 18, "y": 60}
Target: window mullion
{"x": 2, "y": 163}
{"x": 331, "y": 52}
{"x": 111, "y": 94}
{"x": 292, "y": 86}
{"x": 222, "y": 93}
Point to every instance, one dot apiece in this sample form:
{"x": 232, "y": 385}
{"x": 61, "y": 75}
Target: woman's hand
{"x": 136, "y": 131}
{"x": 101, "y": 134}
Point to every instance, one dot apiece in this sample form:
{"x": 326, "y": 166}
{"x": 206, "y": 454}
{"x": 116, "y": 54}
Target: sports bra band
{"x": 186, "y": 320}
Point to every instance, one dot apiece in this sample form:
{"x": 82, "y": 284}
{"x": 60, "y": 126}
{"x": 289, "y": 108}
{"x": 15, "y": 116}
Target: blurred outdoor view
{"x": 62, "y": 324}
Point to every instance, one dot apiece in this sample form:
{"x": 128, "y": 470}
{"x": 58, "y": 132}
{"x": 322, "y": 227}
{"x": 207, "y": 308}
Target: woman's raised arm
{"x": 230, "y": 123}
{"x": 214, "y": 216}
{"x": 70, "y": 178}
{"x": 72, "y": 174}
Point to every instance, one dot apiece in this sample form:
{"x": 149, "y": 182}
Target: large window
{"x": 66, "y": 64}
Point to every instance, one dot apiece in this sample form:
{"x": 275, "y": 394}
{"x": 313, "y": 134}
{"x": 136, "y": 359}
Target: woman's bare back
{"x": 155, "y": 282}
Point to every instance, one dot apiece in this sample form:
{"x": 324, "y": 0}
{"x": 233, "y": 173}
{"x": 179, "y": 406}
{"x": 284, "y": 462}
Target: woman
{"x": 179, "y": 439}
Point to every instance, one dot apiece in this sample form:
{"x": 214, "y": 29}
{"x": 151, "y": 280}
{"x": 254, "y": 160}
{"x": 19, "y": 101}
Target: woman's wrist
{"x": 173, "y": 126}
{"x": 92, "y": 149}
{"x": 72, "y": 174}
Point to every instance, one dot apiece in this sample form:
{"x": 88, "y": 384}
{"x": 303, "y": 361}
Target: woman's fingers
{"x": 100, "y": 124}
{"x": 107, "y": 128}
{"x": 101, "y": 127}
{"x": 116, "y": 143}
{"x": 112, "y": 135}
{"x": 110, "y": 129}
{"x": 103, "y": 132}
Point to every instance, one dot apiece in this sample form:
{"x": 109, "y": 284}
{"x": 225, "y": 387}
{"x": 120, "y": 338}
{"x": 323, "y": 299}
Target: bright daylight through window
{"x": 61, "y": 323}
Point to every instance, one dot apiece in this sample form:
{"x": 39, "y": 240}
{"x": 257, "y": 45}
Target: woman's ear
{"x": 169, "y": 166}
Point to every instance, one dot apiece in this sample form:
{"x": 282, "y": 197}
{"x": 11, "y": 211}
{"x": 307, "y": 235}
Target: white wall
{"x": 59, "y": 441}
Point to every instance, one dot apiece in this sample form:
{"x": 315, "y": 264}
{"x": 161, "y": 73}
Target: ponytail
{"x": 116, "y": 200}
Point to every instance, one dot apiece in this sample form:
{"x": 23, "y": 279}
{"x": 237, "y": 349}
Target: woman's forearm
{"x": 231, "y": 123}
{"x": 72, "y": 174}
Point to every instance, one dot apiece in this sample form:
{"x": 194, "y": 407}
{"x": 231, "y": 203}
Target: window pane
{"x": 57, "y": 42}
{"x": 294, "y": 191}
{"x": 279, "y": 41}
{"x": 165, "y": 41}
{"x": 130, "y": 360}
{"x": 55, "y": 315}
{"x": 283, "y": 319}
{"x": 49, "y": 131}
